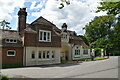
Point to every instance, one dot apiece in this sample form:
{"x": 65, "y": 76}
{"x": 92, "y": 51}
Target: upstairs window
{"x": 11, "y": 41}
{"x": 11, "y": 53}
{"x": 64, "y": 36}
{"x": 44, "y": 36}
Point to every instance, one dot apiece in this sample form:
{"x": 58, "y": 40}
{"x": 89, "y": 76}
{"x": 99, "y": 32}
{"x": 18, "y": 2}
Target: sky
{"x": 76, "y": 15}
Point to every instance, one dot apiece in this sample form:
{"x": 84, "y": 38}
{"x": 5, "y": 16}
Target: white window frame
{"x": 10, "y": 41}
{"x": 34, "y": 55}
{"x": 13, "y": 51}
{"x": 50, "y": 55}
{"x": 64, "y": 36}
{"x": 87, "y": 52}
{"x": 78, "y": 52}
{"x": 46, "y": 35}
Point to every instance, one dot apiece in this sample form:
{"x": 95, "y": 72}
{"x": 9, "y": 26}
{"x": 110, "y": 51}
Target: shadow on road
{"x": 56, "y": 65}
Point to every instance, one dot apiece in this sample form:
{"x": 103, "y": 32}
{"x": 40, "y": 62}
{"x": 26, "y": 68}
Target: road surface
{"x": 107, "y": 68}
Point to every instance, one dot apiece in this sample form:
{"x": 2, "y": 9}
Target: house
{"x": 40, "y": 42}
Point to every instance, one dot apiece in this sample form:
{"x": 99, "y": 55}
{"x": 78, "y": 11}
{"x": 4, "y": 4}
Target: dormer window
{"x": 44, "y": 36}
{"x": 64, "y": 36}
{"x": 11, "y": 41}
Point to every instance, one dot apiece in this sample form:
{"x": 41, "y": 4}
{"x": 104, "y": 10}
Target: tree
{"x": 98, "y": 31}
{"x": 113, "y": 8}
{"x": 67, "y": 2}
{"x": 84, "y": 39}
{"x": 4, "y": 25}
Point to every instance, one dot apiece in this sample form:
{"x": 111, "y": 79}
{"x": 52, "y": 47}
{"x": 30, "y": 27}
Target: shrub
{"x": 3, "y": 77}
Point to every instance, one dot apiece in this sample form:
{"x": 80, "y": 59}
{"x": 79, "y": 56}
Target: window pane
{"x": 40, "y": 54}
{"x": 11, "y": 40}
{"x": 48, "y": 37}
{"x": 15, "y": 40}
{"x": 47, "y": 54}
{"x": 85, "y": 51}
{"x": 43, "y": 54}
{"x": 45, "y": 36}
{"x": 7, "y": 40}
{"x": 53, "y": 53}
{"x": 41, "y": 35}
{"x": 33, "y": 55}
{"x": 11, "y": 53}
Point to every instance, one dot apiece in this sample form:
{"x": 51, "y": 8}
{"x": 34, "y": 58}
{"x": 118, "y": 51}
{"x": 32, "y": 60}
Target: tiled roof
{"x": 9, "y": 34}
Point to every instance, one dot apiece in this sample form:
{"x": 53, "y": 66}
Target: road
{"x": 96, "y": 69}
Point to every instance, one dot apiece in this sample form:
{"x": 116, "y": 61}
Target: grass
{"x": 89, "y": 59}
{"x": 11, "y": 65}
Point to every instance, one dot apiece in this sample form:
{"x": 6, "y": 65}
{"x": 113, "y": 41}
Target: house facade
{"x": 40, "y": 42}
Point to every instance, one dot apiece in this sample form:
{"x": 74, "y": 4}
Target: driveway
{"x": 96, "y": 69}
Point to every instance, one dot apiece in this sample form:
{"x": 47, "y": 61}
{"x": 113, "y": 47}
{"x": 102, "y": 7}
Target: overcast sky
{"x": 76, "y": 15}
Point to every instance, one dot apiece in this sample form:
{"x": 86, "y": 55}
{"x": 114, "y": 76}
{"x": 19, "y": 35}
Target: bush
{"x": 3, "y": 77}
{"x": 11, "y": 65}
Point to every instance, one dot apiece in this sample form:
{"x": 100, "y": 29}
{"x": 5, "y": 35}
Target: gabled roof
{"x": 42, "y": 20}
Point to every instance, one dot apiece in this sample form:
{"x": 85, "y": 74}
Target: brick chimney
{"x": 22, "y": 19}
{"x": 64, "y": 26}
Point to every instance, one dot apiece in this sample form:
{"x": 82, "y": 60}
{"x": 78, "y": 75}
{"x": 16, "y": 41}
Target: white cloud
{"x": 7, "y": 8}
{"x": 76, "y": 15}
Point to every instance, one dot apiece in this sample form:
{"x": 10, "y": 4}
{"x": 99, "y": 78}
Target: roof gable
{"x": 42, "y": 20}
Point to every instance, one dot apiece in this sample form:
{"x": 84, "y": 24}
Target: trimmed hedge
{"x": 11, "y": 65}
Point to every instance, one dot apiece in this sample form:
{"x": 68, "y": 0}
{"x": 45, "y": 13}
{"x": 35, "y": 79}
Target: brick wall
{"x": 17, "y": 59}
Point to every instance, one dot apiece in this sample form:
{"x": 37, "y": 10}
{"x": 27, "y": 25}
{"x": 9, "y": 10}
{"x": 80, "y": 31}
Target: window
{"x": 45, "y": 36}
{"x": 85, "y": 52}
{"x": 33, "y": 55}
{"x": 11, "y": 53}
{"x": 64, "y": 36}
{"x": 77, "y": 52}
{"x": 46, "y": 54}
{"x": 11, "y": 41}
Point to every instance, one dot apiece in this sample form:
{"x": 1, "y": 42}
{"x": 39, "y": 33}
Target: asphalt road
{"x": 96, "y": 69}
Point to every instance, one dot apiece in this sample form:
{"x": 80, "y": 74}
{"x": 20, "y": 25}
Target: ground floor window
{"x": 33, "y": 55}
{"x": 11, "y": 53}
{"x": 77, "y": 52}
{"x": 85, "y": 52}
{"x": 46, "y": 54}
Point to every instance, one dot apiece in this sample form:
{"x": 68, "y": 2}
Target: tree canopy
{"x": 104, "y": 31}
{"x": 4, "y": 25}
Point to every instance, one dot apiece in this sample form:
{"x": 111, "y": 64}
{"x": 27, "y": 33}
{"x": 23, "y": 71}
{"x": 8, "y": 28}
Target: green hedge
{"x": 89, "y": 59}
{"x": 11, "y": 65}
{"x": 3, "y": 77}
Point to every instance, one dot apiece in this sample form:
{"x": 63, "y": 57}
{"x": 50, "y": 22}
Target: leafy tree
{"x": 113, "y": 8}
{"x": 67, "y": 2}
{"x": 84, "y": 39}
{"x": 99, "y": 30}
{"x": 5, "y": 25}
